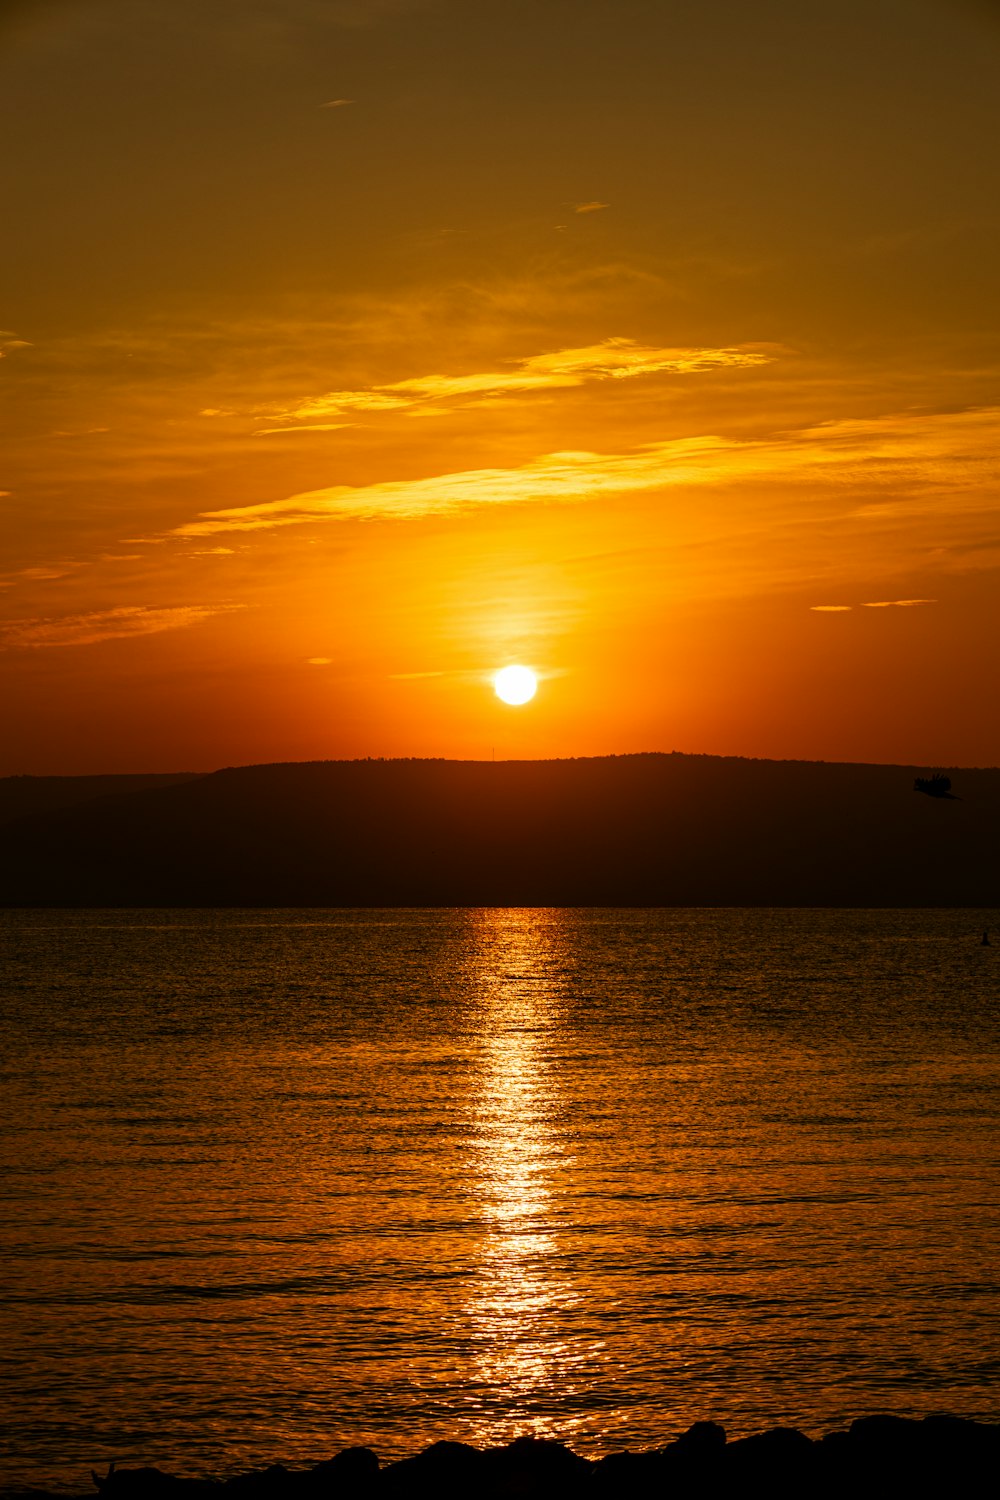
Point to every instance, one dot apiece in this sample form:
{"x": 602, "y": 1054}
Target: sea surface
{"x": 274, "y": 1183}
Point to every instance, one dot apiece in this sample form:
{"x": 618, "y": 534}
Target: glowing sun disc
{"x": 515, "y": 684}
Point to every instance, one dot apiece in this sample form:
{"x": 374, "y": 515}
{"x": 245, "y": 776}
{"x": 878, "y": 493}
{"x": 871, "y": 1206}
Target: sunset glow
{"x": 316, "y": 350}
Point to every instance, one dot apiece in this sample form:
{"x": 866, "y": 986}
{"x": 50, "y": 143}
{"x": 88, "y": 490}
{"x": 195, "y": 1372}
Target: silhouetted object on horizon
{"x": 937, "y": 785}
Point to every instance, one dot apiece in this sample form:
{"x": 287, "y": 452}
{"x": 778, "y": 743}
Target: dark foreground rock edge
{"x": 886, "y": 1456}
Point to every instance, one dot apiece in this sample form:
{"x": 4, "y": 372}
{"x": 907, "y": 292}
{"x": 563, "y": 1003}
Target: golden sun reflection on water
{"x": 520, "y": 1133}
{"x": 280, "y": 1183}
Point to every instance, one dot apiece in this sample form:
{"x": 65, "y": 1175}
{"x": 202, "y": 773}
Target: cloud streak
{"x": 559, "y": 478}
{"x": 895, "y": 603}
{"x": 303, "y": 427}
{"x": 107, "y": 625}
{"x": 831, "y": 609}
{"x": 562, "y": 369}
{"x": 9, "y": 341}
{"x": 926, "y": 456}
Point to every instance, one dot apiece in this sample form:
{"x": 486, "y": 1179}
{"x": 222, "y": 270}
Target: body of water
{"x": 279, "y": 1182}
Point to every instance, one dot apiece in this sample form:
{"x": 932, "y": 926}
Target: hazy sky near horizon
{"x": 353, "y": 349}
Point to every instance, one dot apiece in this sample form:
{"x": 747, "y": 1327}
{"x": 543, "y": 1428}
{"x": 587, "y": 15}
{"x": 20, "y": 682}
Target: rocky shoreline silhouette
{"x": 883, "y": 1456}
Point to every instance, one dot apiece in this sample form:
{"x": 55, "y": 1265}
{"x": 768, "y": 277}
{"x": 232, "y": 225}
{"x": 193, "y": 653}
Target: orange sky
{"x": 352, "y": 349}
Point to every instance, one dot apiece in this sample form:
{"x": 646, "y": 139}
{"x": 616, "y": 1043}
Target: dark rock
{"x": 953, "y": 1435}
{"x": 885, "y": 1433}
{"x": 961, "y": 1456}
{"x": 877, "y": 1458}
{"x": 353, "y": 1471}
{"x": 695, "y": 1458}
{"x": 888, "y": 1455}
{"x": 535, "y": 1466}
{"x": 782, "y": 1461}
{"x": 887, "y": 1452}
{"x": 700, "y": 1439}
{"x": 275, "y": 1481}
{"x": 638, "y": 1474}
{"x": 443, "y": 1469}
{"x": 779, "y": 1445}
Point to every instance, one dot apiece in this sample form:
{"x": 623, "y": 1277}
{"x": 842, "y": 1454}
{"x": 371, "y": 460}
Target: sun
{"x": 516, "y": 684}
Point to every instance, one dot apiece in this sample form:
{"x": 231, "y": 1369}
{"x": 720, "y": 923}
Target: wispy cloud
{"x": 871, "y": 604}
{"x": 303, "y": 427}
{"x": 591, "y": 207}
{"x": 895, "y": 603}
{"x": 926, "y": 456}
{"x": 336, "y": 103}
{"x": 9, "y": 341}
{"x": 613, "y": 359}
{"x": 108, "y": 624}
{"x": 553, "y": 478}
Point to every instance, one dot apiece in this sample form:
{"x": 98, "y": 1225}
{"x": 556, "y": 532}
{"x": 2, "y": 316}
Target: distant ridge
{"x": 642, "y": 830}
{"x": 22, "y": 795}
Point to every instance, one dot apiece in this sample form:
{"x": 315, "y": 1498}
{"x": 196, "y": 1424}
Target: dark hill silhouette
{"x": 20, "y": 796}
{"x": 622, "y": 830}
